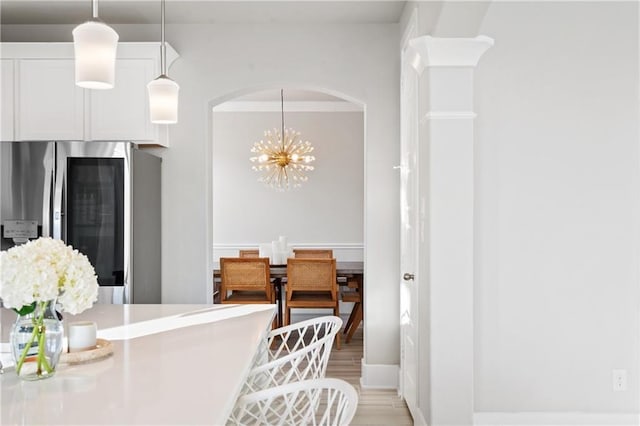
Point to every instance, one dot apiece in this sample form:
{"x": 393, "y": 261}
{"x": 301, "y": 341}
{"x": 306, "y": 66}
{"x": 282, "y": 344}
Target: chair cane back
{"x": 245, "y": 280}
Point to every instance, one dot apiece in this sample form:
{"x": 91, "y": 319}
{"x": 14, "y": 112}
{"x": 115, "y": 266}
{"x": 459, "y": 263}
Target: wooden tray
{"x": 103, "y": 349}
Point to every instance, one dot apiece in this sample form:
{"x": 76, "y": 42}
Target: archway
{"x": 326, "y": 212}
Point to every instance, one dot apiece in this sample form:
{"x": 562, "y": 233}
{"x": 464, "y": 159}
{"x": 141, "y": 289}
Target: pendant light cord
{"x": 282, "y": 115}
{"x": 94, "y": 9}
{"x": 163, "y": 49}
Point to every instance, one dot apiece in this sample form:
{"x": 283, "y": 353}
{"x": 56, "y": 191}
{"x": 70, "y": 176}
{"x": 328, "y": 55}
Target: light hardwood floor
{"x": 375, "y": 406}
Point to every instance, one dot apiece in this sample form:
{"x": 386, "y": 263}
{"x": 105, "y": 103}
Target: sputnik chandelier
{"x": 282, "y": 160}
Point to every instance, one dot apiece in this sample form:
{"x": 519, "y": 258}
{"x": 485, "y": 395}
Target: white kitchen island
{"x": 172, "y": 365}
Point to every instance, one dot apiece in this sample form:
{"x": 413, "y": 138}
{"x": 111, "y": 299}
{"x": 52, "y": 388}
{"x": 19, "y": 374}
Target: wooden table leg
{"x": 277, "y": 284}
{"x": 356, "y": 321}
{"x": 356, "y": 316}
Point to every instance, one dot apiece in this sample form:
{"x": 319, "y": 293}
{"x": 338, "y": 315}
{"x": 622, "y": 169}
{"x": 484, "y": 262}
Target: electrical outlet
{"x": 619, "y": 380}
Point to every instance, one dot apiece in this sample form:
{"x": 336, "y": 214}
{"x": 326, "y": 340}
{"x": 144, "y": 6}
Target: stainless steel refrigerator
{"x": 102, "y": 198}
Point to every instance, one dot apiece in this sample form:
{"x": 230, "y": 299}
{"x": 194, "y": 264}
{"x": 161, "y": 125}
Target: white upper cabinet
{"x": 6, "y": 100}
{"x": 123, "y": 112}
{"x": 44, "y": 103}
{"x": 49, "y": 104}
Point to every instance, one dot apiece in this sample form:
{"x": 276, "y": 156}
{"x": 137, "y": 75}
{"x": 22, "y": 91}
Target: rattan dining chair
{"x": 313, "y": 253}
{"x": 245, "y": 281}
{"x": 311, "y": 283}
{"x": 249, "y": 253}
{"x": 349, "y": 291}
{"x": 319, "y": 402}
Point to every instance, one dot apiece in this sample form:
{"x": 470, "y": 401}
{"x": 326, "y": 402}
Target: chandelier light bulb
{"x": 282, "y": 162}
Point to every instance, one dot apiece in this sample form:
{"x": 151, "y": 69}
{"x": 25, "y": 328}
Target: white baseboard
{"x": 420, "y": 420}
{"x": 553, "y": 418}
{"x": 379, "y": 376}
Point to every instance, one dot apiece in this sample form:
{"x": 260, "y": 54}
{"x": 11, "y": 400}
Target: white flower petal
{"x": 45, "y": 269}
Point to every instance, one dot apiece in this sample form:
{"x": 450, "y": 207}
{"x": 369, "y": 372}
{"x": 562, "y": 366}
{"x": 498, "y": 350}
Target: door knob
{"x": 408, "y": 277}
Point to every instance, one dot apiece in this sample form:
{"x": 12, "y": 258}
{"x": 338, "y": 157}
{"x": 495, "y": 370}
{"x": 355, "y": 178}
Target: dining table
{"x": 170, "y": 364}
{"x": 347, "y": 272}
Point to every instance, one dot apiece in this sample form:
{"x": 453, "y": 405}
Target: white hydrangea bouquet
{"x": 34, "y": 276}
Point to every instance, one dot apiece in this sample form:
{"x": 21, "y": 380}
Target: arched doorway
{"x": 327, "y": 211}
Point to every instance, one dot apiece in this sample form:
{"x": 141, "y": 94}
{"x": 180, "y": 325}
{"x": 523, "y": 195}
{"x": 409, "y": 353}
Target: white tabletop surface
{"x": 172, "y": 364}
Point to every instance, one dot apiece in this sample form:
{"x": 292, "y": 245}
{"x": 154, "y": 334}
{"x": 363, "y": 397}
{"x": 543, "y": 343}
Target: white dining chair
{"x": 293, "y": 353}
{"x": 318, "y": 402}
{"x": 285, "y": 340}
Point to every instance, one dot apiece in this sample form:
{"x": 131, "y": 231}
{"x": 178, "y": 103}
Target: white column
{"x": 447, "y": 66}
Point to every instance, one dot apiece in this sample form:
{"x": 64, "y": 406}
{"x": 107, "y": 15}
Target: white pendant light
{"x": 163, "y": 92}
{"x": 95, "y": 44}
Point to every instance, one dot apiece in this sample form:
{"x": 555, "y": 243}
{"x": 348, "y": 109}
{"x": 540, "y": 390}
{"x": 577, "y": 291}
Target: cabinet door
{"x": 6, "y": 100}
{"x": 122, "y": 113}
{"x": 50, "y": 105}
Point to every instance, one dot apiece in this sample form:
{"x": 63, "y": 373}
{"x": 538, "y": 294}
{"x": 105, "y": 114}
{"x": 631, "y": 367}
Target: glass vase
{"x": 36, "y": 342}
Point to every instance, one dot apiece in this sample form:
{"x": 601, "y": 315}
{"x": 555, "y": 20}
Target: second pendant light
{"x": 163, "y": 91}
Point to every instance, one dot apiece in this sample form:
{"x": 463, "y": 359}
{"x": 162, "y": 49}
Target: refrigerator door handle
{"x": 46, "y": 193}
{"x": 57, "y": 201}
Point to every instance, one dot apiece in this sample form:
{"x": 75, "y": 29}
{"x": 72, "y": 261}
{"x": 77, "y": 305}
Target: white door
{"x": 409, "y": 235}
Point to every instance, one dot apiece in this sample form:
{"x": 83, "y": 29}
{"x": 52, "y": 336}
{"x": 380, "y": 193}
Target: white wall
{"x": 325, "y": 211}
{"x": 557, "y": 208}
{"x": 221, "y": 60}
{"x": 359, "y": 62}
{"x": 557, "y": 215}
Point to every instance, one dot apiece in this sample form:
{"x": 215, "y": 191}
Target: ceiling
{"x": 72, "y": 12}
{"x": 44, "y": 12}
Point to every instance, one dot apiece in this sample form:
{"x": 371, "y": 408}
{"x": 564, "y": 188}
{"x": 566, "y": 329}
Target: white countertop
{"x": 172, "y": 364}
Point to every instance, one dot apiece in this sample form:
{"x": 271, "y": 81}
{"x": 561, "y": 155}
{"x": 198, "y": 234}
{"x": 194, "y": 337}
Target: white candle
{"x": 275, "y": 252}
{"x": 82, "y": 336}
{"x": 264, "y": 250}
